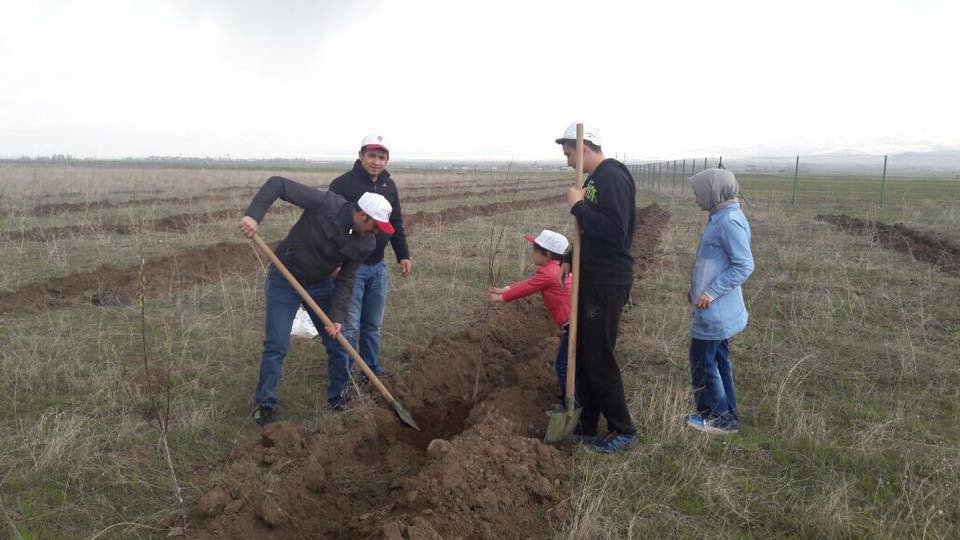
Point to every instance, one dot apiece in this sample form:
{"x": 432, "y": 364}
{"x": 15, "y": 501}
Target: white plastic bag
{"x": 303, "y": 325}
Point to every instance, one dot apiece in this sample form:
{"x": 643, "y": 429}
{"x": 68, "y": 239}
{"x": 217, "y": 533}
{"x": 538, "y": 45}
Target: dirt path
{"x": 112, "y": 285}
{"x": 478, "y": 470}
{"x": 925, "y": 247}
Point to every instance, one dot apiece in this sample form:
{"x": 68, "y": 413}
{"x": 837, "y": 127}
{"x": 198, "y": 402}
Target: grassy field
{"x": 848, "y": 375}
{"x": 829, "y": 191}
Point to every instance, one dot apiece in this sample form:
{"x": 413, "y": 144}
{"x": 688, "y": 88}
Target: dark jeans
{"x": 282, "y": 302}
{"x": 712, "y": 377}
{"x": 599, "y": 382}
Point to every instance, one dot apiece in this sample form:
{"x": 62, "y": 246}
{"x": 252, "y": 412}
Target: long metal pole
{"x": 673, "y": 188}
{"x": 796, "y": 169}
{"x": 683, "y": 175}
{"x": 883, "y": 181}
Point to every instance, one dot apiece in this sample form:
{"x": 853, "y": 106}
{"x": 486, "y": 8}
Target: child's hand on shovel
{"x": 333, "y": 329}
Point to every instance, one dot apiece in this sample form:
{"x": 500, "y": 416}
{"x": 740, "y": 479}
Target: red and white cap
{"x": 551, "y": 241}
{"x": 375, "y": 140}
{"x": 379, "y": 209}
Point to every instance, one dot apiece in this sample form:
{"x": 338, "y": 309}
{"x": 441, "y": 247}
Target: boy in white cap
{"x": 331, "y": 233}
{"x": 548, "y": 249}
{"x": 364, "y": 315}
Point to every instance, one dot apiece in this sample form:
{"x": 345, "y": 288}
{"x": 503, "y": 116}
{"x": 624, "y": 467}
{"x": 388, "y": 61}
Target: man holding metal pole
{"x": 605, "y": 209}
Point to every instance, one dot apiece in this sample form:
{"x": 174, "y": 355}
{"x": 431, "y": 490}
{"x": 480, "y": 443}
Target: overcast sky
{"x": 259, "y": 78}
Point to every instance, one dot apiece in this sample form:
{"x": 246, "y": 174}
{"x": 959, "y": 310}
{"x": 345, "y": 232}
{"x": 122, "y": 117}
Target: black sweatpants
{"x": 599, "y": 383}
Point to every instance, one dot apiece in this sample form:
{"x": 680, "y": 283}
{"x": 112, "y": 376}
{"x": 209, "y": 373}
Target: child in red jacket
{"x": 548, "y": 248}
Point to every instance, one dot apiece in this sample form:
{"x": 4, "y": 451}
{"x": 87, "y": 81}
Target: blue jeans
{"x": 365, "y": 316}
{"x": 712, "y": 377}
{"x": 282, "y": 302}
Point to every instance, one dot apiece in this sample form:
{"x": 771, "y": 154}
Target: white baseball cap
{"x": 550, "y": 241}
{"x": 379, "y": 209}
{"x": 375, "y": 140}
{"x": 590, "y": 133}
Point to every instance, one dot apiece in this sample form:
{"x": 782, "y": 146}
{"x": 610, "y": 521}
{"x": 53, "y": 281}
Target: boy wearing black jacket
{"x": 605, "y": 208}
{"x": 332, "y": 233}
{"x": 365, "y": 310}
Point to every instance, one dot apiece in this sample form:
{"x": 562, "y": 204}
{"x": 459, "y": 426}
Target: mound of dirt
{"x": 477, "y": 470}
{"x": 925, "y": 247}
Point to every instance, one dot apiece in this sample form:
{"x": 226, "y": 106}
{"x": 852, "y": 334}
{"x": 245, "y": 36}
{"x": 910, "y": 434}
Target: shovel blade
{"x": 405, "y": 415}
{"x": 561, "y": 424}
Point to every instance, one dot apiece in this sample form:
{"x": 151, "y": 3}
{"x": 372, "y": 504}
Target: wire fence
{"x": 857, "y": 182}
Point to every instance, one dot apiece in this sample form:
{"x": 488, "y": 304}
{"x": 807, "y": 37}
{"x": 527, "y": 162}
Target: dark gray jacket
{"x": 320, "y": 241}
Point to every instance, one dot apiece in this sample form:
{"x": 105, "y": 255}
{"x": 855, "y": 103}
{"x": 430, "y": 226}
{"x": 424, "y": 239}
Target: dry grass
{"x": 847, "y": 376}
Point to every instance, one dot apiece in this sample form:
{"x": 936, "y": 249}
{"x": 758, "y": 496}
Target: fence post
{"x": 883, "y": 181}
{"x": 693, "y": 167}
{"x": 796, "y": 169}
{"x": 673, "y": 187}
{"x": 704, "y": 163}
{"x": 720, "y": 164}
{"x": 683, "y": 175}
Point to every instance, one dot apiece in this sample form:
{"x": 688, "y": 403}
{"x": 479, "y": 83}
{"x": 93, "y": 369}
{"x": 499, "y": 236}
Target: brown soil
{"x": 103, "y": 204}
{"x": 112, "y": 285}
{"x": 925, "y": 247}
{"x": 478, "y": 470}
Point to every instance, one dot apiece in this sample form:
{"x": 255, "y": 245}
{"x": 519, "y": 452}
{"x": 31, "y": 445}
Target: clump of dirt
{"x": 925, "y": 247}
{"x": 477, "y": 470}
{"x": 651, "y": 221}
{"x": 471, "y": 464}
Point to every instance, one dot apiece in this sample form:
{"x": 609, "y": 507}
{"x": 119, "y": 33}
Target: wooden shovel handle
{"x": 308, "y": 300}
{"x": 574, "y": 286}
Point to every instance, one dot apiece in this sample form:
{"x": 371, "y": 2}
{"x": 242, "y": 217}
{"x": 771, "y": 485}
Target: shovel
{"x": 402, "y": 412}
{"x": 562, "y": 423}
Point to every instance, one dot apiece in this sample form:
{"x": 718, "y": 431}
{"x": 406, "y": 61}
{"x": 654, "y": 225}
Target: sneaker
{"x": 384, "y": 375}
{"x": 339, "y": 405}
{"x": 263, "y": 416}
{"x": 614, "y": 443}
{"x": 577, "y": 438}
{"x": 713, "y": 425}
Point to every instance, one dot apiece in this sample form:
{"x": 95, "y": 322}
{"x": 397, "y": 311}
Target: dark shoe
{"x": 384, "y": 375}
{"x": 264, "y": 416}
{"x": 339, "y": 404}
{"x": 614, "y": 443}
{"x": 577, "y": 438}
{"x": 714, "y": 425}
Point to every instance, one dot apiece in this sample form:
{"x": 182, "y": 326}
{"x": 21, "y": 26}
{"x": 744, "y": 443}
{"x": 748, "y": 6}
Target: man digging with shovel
{"x": 605, "y": 209}
{"x": 331, "y": 234}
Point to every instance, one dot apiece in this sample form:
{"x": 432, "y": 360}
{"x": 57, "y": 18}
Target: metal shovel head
{"x": 561, "y": 424}
{"x": 405, "y": 415}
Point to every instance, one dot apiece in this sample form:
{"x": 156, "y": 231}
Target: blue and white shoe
{"x": 713, "y": 425}
{"x": 614, "y": 443}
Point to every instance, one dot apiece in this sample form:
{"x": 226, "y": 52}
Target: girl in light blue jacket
{"x": 723, "y": 263}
